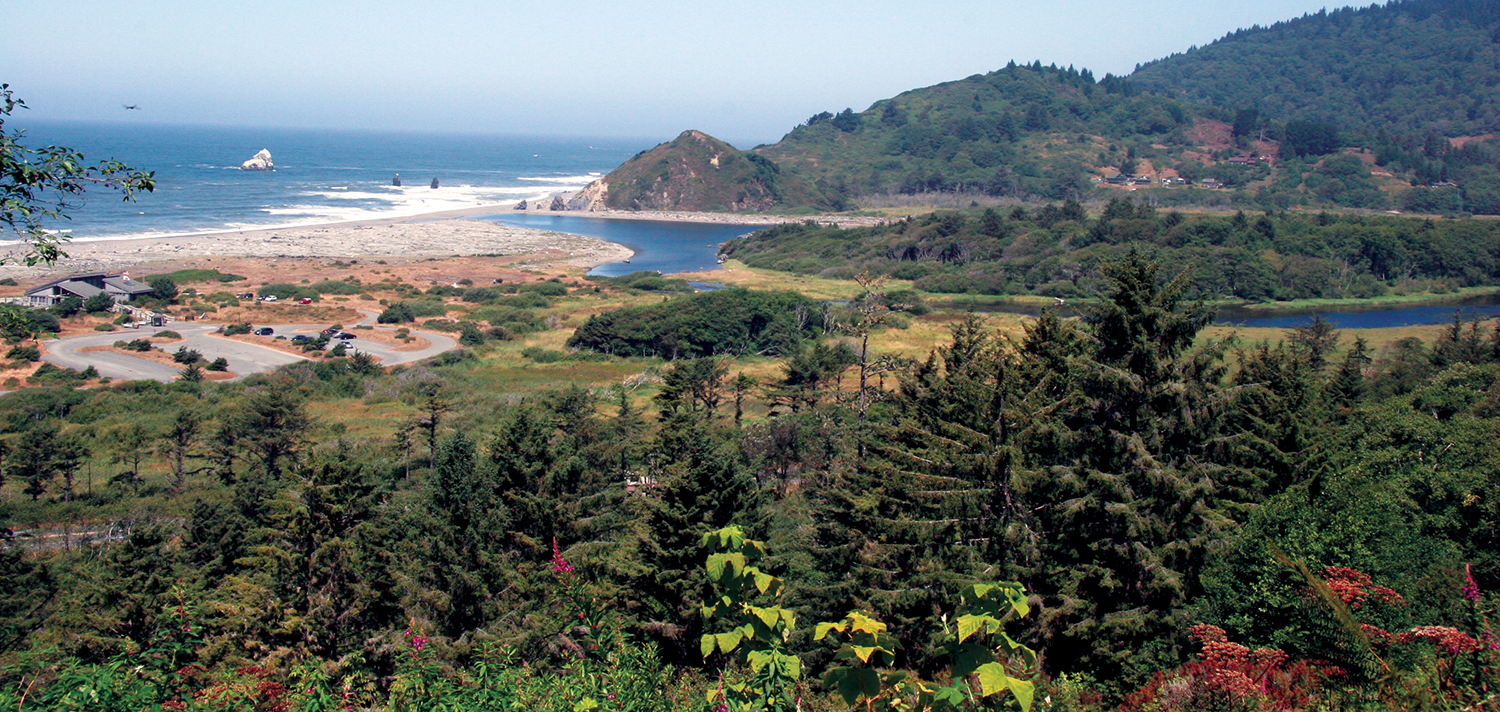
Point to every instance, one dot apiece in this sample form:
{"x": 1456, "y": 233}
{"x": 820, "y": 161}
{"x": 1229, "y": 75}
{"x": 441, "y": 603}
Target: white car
{"x": 268, "y": 298}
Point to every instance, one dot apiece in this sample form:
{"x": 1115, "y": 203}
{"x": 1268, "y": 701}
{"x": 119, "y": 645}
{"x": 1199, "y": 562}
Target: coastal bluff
{"x": 694, "y": 172}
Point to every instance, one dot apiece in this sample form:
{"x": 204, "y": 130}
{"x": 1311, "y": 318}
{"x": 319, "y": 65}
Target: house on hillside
{"x": 119, "y": 287}
{"x": 1119, "y": 179}
{"x": 1210, "y": 183}
{"x": 1243, "y": 160}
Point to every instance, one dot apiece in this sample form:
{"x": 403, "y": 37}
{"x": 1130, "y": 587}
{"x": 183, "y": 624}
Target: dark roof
{"x": 127, "y": 285}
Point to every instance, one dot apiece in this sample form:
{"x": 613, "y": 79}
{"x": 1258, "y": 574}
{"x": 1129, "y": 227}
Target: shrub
{"x": 163, "y": 288}
{"x": 104, "y": 327}
{"x": 219, "y": 364}
{"x": 166, "y": 335}
{"x": 48, "y": 374}
{"x": 136, "y": 345}
{"x": 397, "y": 313}
{"x": 336, "y": 287}
{"x": 187, "y": 355}
{"x": 67, "y": 307}
{"x": 8, "y": 282}
{"x": 24, "y": 353}
{"x": 235, "y": 329}
{"x": 98, "y": 303}
{"x": 723, "y": 322}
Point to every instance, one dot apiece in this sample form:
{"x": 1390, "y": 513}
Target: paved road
{"x": 244, "y": 358}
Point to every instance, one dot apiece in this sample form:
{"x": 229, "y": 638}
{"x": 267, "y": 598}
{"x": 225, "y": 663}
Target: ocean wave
{"x": 580, "y": 180}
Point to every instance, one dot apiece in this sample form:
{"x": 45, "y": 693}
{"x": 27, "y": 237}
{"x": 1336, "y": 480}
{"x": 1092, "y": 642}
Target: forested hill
{"x": 696, "y": 171}
{"x": 1410, "y": 66}
{"x": 1021, "y": 130}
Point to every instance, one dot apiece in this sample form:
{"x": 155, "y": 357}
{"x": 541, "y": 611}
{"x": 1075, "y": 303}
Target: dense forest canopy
{"x": 1404, "y": 67}
{"x": 1057, "y": 251}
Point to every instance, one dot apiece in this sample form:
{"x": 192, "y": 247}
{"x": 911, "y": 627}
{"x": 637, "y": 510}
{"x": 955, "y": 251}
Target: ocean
{"x": 321, "y": 176}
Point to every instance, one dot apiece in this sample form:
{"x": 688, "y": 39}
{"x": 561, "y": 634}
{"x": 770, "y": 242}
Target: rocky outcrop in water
{"x": 259, "y": 162}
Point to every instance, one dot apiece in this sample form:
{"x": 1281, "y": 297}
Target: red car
{"x": 304, "y": 300}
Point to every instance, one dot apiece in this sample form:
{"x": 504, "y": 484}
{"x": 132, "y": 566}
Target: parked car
{"x": 245, "y": 295}
{"x": 331, "y": 331}
{"x": 344, "y": 336}
{"x": 264, "y": 331}
{"x": 301, "y": 339}
{"x": 268, "y": 298}
{"x": 304, "y": 300}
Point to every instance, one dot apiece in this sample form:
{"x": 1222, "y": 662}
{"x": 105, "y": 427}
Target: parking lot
{"x": 245, "y": 358}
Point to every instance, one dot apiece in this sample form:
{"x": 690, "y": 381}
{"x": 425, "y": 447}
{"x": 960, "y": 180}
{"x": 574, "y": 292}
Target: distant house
{"x": 1119, "y": 179}
{"x": 1243, "y": 160}
{"x": 1444, "y": 184}
{"x": 119, "y": 287}
{"x": 1173, "y": 180}
{"x": 1142, "y": 180}
{"x": 1211, "y": 183}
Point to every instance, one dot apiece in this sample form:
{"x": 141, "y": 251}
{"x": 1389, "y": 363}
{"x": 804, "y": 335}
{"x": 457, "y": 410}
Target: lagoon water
{"x": 1377, "y": 318}
{"x": 321, "y": 175}
{"x": 660, "y": 245}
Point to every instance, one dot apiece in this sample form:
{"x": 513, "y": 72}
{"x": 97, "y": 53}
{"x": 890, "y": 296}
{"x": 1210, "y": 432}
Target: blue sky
{"x": 746, "y": 72}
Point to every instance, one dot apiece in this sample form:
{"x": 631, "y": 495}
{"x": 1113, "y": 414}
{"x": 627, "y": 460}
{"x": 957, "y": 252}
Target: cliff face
{"x": 697, "y": 172}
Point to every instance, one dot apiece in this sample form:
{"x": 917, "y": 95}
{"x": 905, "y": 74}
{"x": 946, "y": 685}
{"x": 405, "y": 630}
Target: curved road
{"x": 244, "y": 358}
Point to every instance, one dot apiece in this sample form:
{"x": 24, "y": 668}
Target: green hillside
{"x": 1025, "y": 130}
{"x": 1405, "y": 67}
{"x": 696, "y": 171}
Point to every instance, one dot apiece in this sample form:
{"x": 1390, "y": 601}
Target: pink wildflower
{"x": 559, "y": 564}
{"x": 1470, "y": 591}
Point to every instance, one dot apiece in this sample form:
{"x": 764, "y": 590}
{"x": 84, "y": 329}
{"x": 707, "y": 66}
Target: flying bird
{"x": 129, "y": 107}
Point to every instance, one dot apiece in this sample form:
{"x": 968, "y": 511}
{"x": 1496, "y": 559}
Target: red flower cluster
{"x": 1449, "y": 640}
{"x": 417, "y": 641}
{"x": 1231, "y": 667}
{"x": 1355, "y": 587}
{"x": 559, "y": 564}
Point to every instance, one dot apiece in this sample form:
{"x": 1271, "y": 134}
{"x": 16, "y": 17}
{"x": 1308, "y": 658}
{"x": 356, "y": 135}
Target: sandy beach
{"x": 394, "y": 239}
{"x": 408, "y": 237}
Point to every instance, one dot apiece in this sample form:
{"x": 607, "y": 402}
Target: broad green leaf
{"x": 969, "y": 625}
{"x": 763, "y": 581}
{"x": 768, "y": 616}
{"x": 729, "y": 641}
{"x": 821, "y": 630}
{"x": 992, "y": 679}
{"x": 853, "y": 683}
{"x": 1017, "y": 598}
{"x": 706, "y": 645}
{"x": 1024, "y": 691}
{"x": 865, "y": 624}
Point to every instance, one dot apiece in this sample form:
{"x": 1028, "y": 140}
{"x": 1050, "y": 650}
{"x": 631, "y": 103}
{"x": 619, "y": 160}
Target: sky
{"x": 744, "y": 72}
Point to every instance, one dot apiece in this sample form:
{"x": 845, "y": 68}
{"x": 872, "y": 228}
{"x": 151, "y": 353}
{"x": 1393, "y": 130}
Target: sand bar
{"x": 396, "y": 239}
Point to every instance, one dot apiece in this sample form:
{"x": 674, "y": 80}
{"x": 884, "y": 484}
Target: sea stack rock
{"x": 434, "y": 184}
{"x": 521, "y": 205}
{"x": 396, "y": 181}
{"x": 259, "y": 162}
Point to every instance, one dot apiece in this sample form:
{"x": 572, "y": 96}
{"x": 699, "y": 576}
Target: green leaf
{"x": 821, "y": 630}
{"x": 1024, "y": 691}
{"x": 969, "y": 625}
{"x": 853, "y": 683}
{"x": 768, "y": 616}
{"x": 763, "y": 581}
{"x": 992, "y": 679}
{"x": 729, "y": 641}
{"x": 706, "y": 645}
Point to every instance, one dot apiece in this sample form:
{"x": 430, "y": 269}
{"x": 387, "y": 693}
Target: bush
{"x": 731, "y": 321}
{"x": 187, "y": 355}
{"x": 67, "y": 307}
{"x": 48, "y": 374}
{"x": 135, "y": 345}
{"x": 163, "y": 288}
{"x": 235, "y": 329}
{"x": 166, "y": 335}
{"x": 24, "y": 353}
{"x": 197, "y": 275}
{"x": 336, "y": 287}
{"x": 541, "y": 355}
{"x": 42, "y": 321}
{"x": 104, "y": 327}
{"x": 397, "y": 313}
{"x": 8, "y": 282}
{"x": 98, "y": 303}
{"x": 546, "y": 289}
{"x": 470, "y": 335}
